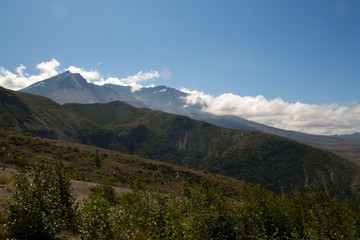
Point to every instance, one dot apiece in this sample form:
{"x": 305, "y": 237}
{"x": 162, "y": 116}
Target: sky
{"x": 289, "y": 64}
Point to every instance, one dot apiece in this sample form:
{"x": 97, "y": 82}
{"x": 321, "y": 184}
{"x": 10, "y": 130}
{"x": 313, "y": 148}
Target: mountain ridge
{"x": 70, "y": 87}
{"x": 279, "y": 164}
{"x": 346, "y": 146}
{"x": 173, "y": 101}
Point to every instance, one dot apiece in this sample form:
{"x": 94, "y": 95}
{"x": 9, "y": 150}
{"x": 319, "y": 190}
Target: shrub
{"x": 208, "y": 215}
{"x": 42, "y": 205}
{"x": 262, "y": 214}
{"x": 96, "y": 219}
{"x": 107, "y": 192}
{"x": 143, "y": 214}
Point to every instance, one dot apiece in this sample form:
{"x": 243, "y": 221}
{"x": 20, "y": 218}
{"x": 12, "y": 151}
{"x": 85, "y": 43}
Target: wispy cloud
{"x": 325, "y": 119}
{"x": 20, "y": 79}
{"x": 132, "y": 81}
{"x": 90, "y": 76}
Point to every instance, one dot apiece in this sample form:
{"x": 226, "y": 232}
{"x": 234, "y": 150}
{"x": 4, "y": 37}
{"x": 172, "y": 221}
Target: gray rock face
{"x": 160, "y": 98}
{"x": 70, "y": 87}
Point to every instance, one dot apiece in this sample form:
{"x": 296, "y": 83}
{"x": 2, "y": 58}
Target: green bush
{"x": 262, "y": 214}
{"x": 208, "y": 214}
{"x": 96, "y": 220}
{"x": 147, "y": 215}
{"x": 41, "y": 206}
{"x": 316, "y": 216}
{"x": 144, "y": 214}
{"x": 107, "y": 192}
{"x": 303, "y": 215}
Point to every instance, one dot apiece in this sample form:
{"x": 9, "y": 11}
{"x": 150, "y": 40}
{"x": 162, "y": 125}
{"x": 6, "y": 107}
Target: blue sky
{"x": 296, "y": 51}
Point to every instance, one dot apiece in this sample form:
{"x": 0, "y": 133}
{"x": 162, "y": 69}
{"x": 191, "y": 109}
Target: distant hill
{"x": 70, "y": 87}
{"x": 353, "y": 137}
{"x": 279, "y": 164}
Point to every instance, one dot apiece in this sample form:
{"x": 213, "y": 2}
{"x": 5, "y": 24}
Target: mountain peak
{"x": 69, "y": 74}
{"x": 66, "y": 72}
{"x": 68, "y": 87}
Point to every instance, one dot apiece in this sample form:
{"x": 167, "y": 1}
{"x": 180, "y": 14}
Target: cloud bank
{"x": 20, "y": 79}
{"x": 328, "y": 119}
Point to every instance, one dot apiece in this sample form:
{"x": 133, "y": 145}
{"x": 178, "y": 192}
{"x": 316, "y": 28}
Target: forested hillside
{"x": 278, "y": 164}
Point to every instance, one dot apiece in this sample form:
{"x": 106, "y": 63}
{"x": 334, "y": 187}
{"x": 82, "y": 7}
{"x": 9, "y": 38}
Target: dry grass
{"x": 3, "y": 180}
{"x": 118, "y": 169}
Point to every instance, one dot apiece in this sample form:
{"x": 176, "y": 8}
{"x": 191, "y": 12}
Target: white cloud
{"x": 315, "y": 119}
{"x": 132, "y": 81}
{"x": 325, "y": 119}
{"x": 88, "y": 75}
{"x": 49, "y": 69}
{"x": 19, "y": 80}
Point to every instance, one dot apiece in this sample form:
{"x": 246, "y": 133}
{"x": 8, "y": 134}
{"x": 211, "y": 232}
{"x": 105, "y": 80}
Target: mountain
{"x": 35, "y": 114}
{"x": 73, "y": 88}
{"x": 28, "y": 113}
{"x": 173, "y": 101}
{"x": 70, "y": 87}
{"x": 347, "y": 146}
{"x": 277, "y": 163}
{"x": 160, "y": 98}
{"x": 353, "y": 137}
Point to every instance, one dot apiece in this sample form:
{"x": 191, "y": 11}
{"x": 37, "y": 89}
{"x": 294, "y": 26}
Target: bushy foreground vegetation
{"x": 42, "y": 206}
